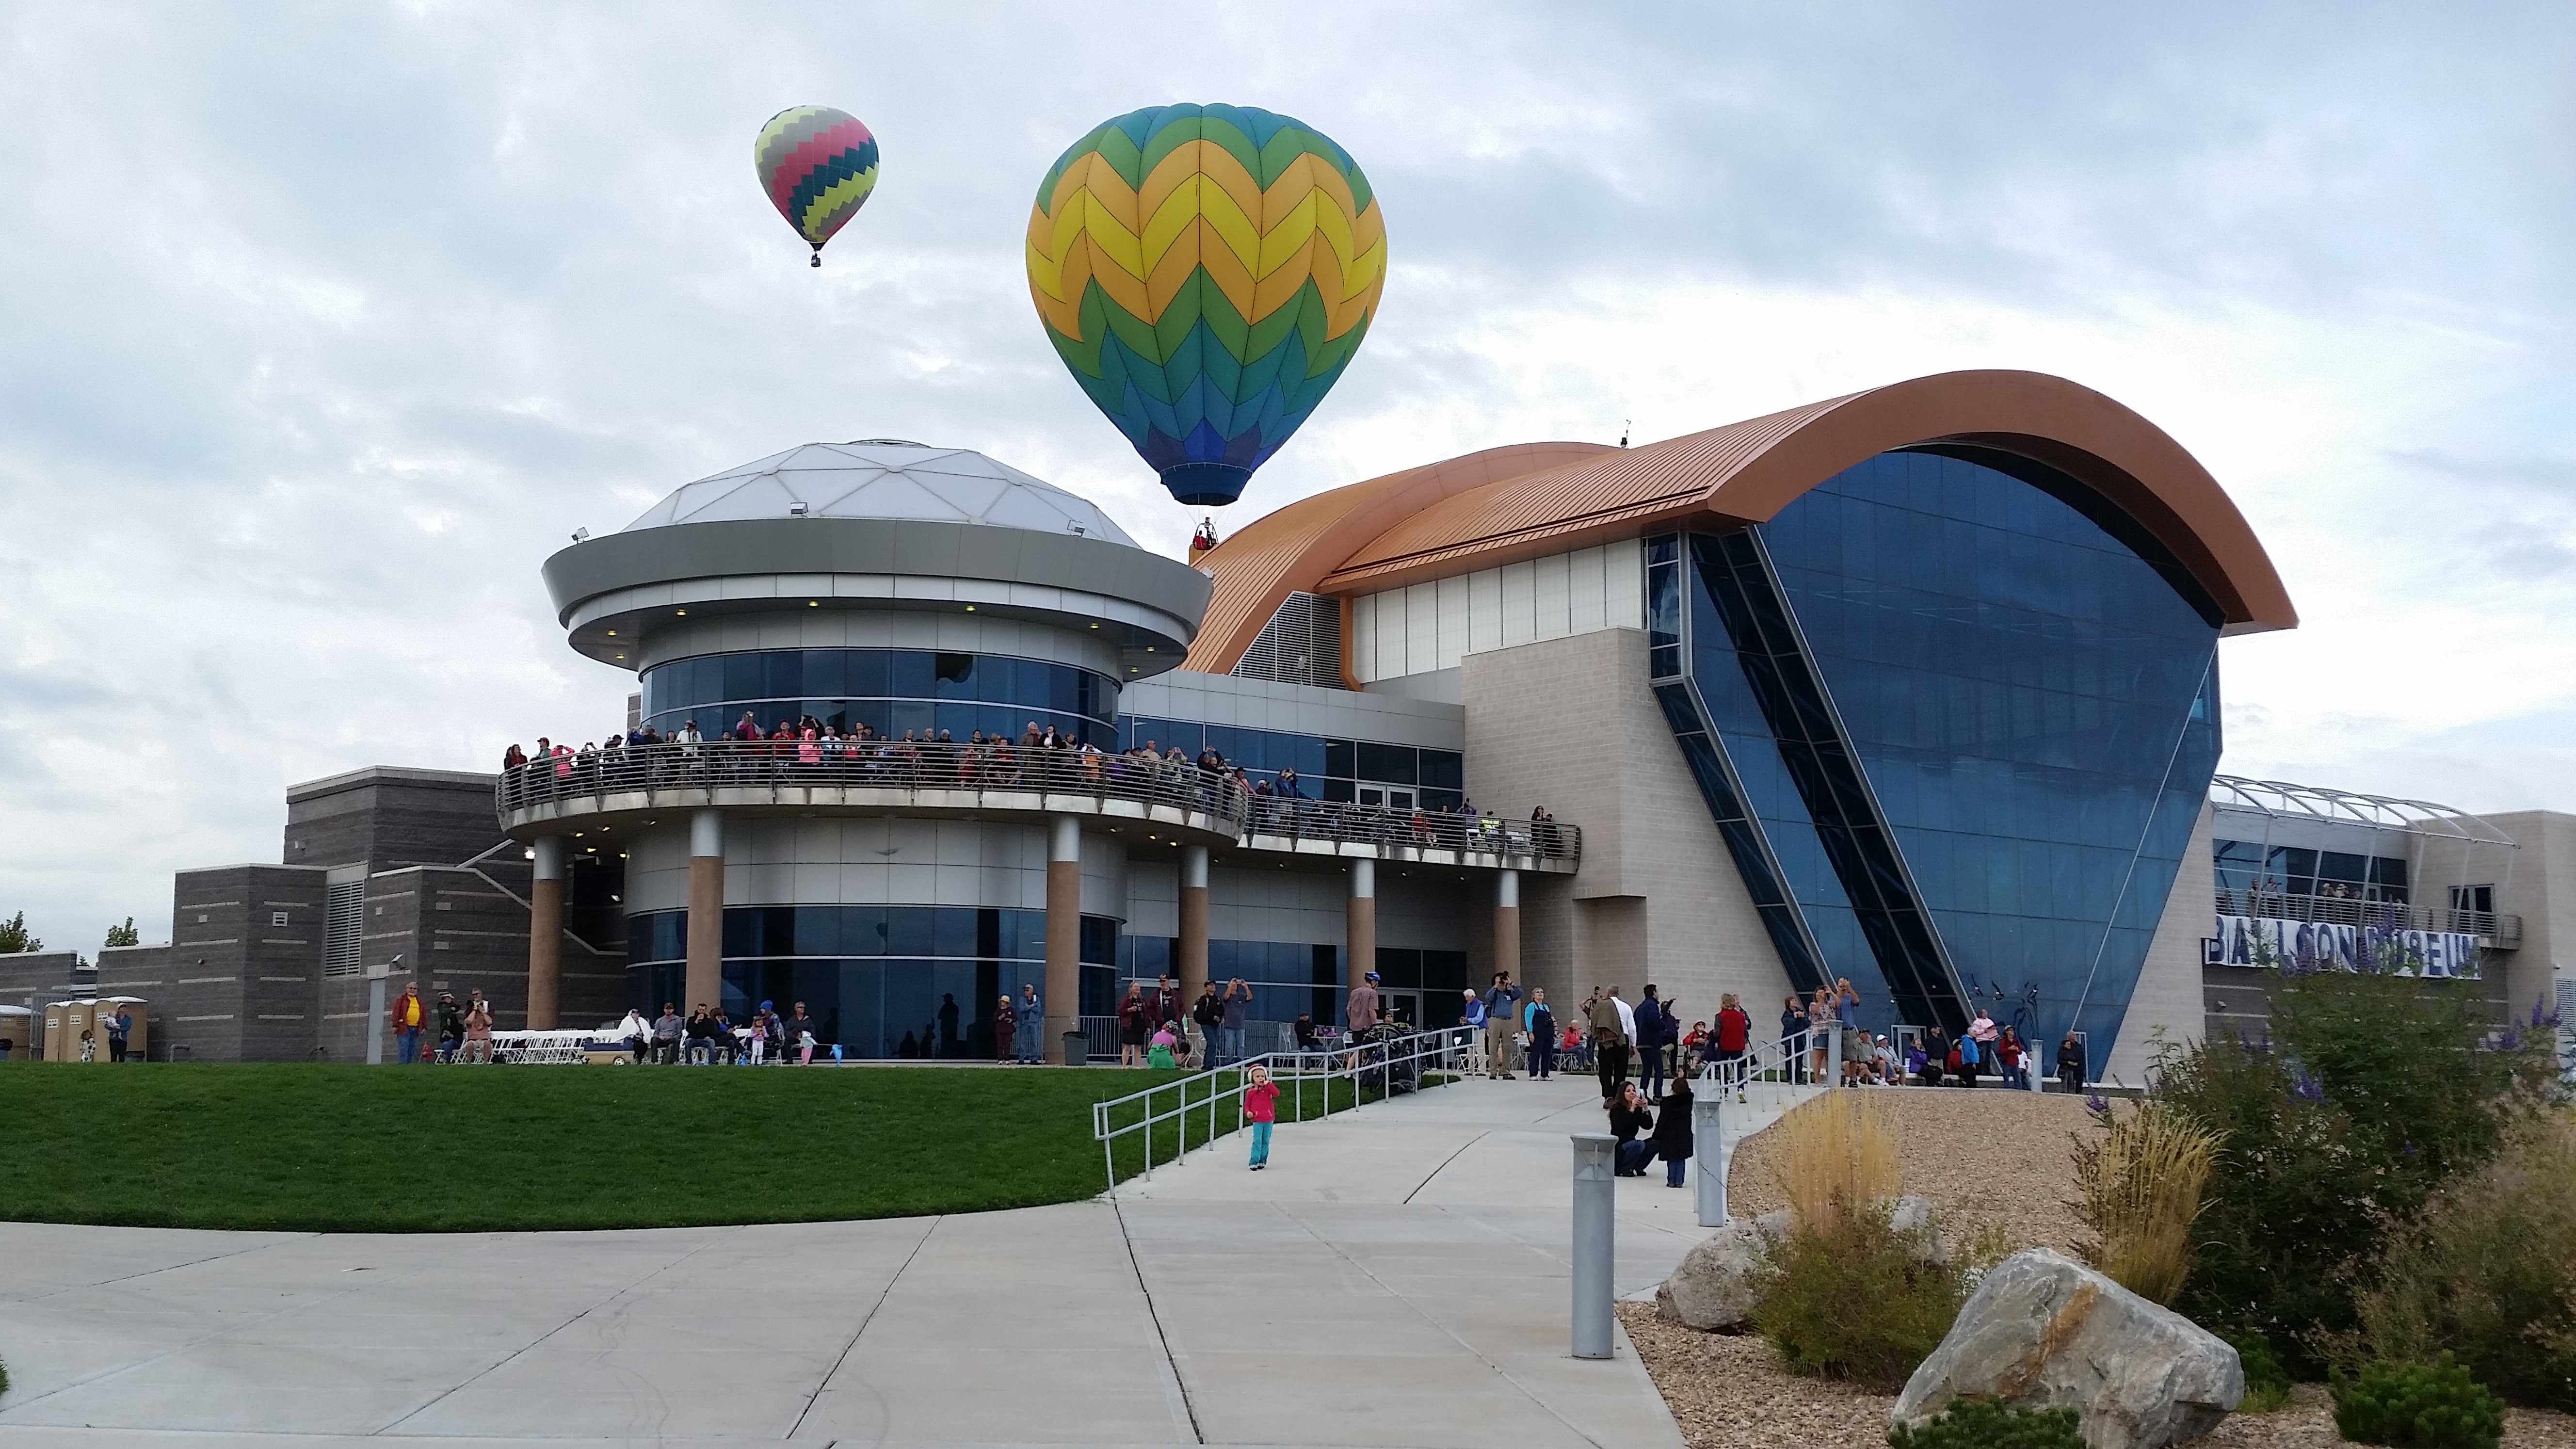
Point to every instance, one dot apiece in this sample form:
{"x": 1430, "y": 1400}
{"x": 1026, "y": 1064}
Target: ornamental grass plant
{"x": 1837, "y": 1155}
{"x": 2141, "y": 1181}
{"x": 1845, "y": 1293}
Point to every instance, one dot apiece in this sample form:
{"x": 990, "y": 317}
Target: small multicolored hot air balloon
{"x": 1206, "y": 272}
{"x": 818, "y": 166}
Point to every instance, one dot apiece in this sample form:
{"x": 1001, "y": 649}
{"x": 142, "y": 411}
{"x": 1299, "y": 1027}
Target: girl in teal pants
{"x": 1261, "y": 1109}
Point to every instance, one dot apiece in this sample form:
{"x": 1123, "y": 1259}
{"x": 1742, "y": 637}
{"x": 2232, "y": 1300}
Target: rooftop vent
{"x": 1302, "y": 644}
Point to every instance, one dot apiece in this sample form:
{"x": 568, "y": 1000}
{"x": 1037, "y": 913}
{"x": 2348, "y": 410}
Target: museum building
{"x": 1917, "y": 688}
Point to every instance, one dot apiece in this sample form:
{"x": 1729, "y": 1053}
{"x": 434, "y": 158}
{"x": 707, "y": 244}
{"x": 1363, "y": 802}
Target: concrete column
{"x": 545, "y": 934}
{"x": 1063, "y": 932}
{"x": 1507, "y": 925}
{"x": 705, "y": 979}
{"x": 1360, "y": 920}
{"x": 1194, "y": 921}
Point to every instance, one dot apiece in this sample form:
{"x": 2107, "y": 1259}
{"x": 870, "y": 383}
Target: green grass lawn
{"x": 321, "y": 1148}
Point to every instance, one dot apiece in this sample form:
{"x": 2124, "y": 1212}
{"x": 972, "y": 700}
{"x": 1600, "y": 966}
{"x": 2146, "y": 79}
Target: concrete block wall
{"x": 245, "y": 959}
{"x": 2542, "y": 890}
{"x": 1569, "y": 724}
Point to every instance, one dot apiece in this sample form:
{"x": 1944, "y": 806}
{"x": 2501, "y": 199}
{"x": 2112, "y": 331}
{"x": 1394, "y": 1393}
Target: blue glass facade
{"x": 871, "y": 975}
{"x": 1327, "y": 769}
{"x": 1956, "y": 718}
{"x": 889, "y": 690}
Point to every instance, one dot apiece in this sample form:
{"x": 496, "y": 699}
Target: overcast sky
{"x": 320, "y": 327}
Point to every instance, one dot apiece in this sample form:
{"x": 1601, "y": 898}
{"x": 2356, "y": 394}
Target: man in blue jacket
{"x": 1502, "y": 1012}
{"x": 1654, "y": 1032}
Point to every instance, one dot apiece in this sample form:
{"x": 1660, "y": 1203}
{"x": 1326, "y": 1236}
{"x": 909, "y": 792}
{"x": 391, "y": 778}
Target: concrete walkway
{"x": 1396, "y": 1278}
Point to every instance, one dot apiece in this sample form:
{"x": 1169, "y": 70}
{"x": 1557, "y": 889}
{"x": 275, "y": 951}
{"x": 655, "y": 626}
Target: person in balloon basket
{"x": 1261, "y": 1109}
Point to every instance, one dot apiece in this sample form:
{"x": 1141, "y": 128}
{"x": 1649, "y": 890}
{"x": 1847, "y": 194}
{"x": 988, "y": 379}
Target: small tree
{"x": 14, "y": 937}
{"x": 124, "y": 935}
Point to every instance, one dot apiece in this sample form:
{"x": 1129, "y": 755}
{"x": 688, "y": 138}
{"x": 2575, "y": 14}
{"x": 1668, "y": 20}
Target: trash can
{"x": 1077, "y": 1049}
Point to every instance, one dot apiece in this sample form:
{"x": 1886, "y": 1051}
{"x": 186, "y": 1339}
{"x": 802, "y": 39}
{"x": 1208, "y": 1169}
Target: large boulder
{"x": 2044, "y": 1331}
{"x": 1714, "y": 1287}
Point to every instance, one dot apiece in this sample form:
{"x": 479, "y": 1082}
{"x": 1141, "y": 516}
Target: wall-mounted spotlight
{"x": 581, "y": 535}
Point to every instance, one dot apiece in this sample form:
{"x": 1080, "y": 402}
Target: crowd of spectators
{"x": 1041, "y": 757}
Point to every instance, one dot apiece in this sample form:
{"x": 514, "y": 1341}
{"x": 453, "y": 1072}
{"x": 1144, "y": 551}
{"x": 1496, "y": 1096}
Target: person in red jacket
{"x": 1734, "y": 1030}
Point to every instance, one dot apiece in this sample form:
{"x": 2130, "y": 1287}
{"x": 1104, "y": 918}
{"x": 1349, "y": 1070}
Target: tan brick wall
{"x": 1570, "y": 724}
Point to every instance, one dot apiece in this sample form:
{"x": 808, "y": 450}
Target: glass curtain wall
{"x": 1327, "y": 769}
{"x": 1970, "y": 715}
{"x": 889, "y": 690}
{"x": 877, "y": 978}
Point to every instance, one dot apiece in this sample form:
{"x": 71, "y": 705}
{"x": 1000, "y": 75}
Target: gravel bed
{"x": 1986, "y": 1157}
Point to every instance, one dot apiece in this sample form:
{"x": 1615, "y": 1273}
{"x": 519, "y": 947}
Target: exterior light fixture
{"x": 813, "y": 603}
{"x": 796, "y": 509}
{"x": 970, "y": 608}
{"x": 613, "y": 633}
{"x": 581, "y": 535}
{"x": 683, "y": 613}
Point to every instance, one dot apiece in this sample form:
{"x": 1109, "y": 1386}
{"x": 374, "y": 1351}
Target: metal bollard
{"x": 1596, "y": 1205}
{"x": 1708, "y": 1147}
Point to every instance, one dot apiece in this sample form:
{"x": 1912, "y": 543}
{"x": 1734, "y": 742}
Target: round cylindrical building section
{"x": 840, "y": 603}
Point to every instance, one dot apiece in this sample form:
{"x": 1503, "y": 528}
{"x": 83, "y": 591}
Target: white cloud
{"x": 324, "y": 328}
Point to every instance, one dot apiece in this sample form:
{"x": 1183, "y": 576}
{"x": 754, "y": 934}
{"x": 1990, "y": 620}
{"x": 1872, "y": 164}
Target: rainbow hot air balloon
{"x": 818, "y": 166}
{"x": 1206, "y": 272}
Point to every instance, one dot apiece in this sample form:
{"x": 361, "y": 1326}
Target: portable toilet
{"x": 64, "y": 1023}
{"x": 19, "y": 1027}
{"x": 138, "y": 1042}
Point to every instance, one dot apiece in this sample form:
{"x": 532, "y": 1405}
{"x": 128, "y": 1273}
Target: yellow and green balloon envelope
{"x": 818, "y": 166}
{"x": 1206, "y": 272}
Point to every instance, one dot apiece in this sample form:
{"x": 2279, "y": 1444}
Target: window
{"x": 2478, "y": 898}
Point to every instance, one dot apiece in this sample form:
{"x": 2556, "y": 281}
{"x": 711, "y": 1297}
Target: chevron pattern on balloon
{"x": 819, "y": 166}
{"x": 1206, "y": 273}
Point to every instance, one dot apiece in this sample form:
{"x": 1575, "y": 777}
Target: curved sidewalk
{"x": 1396, "y": 1278}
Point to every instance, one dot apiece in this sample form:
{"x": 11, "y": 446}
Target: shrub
{"x": 2418, "y": 1406}
{"x": 1857, "y": 1298}
{"x": 2267, "y": 1379}
{"x": 2490, "y": 1272}
{"x": 2378, "y": 1089}
{"x": 1836, "y": 1151}
{"x": 2141, "y": 1183}
{"x": 1985, "y": 1424}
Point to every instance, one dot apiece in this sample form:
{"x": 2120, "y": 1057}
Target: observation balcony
{"x": 2501, "y": 931}
{"x": 561, "y": 794}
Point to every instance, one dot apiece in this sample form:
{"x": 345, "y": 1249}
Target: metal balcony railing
{"x": 677, "y": 775}
{"x": 2504, "y": 929}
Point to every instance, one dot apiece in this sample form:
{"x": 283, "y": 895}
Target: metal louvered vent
{"x": 1302, "y": 644}
{"x": 344, "y": 908}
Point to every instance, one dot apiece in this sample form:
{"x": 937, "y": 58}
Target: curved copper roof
{"x": 1507, "y": 504}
